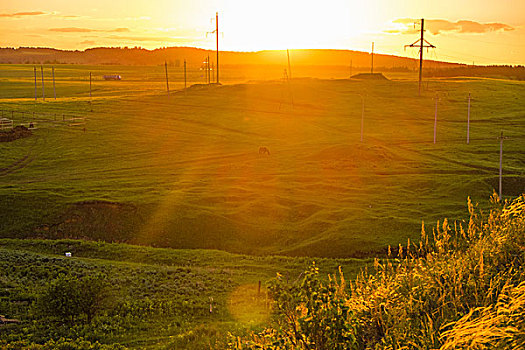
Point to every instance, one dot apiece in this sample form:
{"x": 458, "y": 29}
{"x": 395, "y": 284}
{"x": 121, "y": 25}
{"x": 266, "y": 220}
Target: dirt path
{"x": 22, "y": 162}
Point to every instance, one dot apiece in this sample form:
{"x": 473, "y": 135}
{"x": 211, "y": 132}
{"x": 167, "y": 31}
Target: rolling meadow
{"x": 168, "y": 199}
{"x": 184, "y": 170}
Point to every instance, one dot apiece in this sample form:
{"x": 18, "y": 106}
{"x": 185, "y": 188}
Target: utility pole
{"x": 286, "y": 79}
{"x": 90, "y": 102}
{"x": 468, "y": 120}
{"x": 372, "y": 65}
{"x": 362, "y": 116}
{"x": 501, "y": 138}
{"x": 166, "y": 71}
{"x": 184, "y": 75}
{"x": 421, "y": 56}
{"x": 34, "y": 68}
{"x": 208, "y": 73}
{"x": 217, "y": 39}
{"x": 289, "y": 66}
{"x": 436, "y": 118}
{"x": 289, "y": 77}
{"x": 43, "y": 92}
{"x": 421, "y": 43}
{"x": 216, "y": 31}
{"x": 54, "y": 89}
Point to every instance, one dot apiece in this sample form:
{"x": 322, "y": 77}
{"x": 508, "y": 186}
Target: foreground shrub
{"x": 462, "y": 287}
{"x": 70, "y": 298}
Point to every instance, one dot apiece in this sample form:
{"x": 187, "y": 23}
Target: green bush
{"x": 71, "y": 299}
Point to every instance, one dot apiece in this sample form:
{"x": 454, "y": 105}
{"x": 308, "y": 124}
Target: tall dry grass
{"x": 461, "y": 287}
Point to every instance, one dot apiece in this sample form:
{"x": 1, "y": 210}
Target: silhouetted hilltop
{"x": 194, "y": 56}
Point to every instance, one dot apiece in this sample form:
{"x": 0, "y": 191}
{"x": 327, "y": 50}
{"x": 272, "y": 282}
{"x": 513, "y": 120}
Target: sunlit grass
{"x": 189, "y": 165}
{"x": 460, "y": 287}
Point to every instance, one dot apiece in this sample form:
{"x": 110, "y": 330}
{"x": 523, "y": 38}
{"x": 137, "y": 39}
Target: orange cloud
{"x": 438, "y": 26}
{"x": 22, "y": 14}
{"x": 71, "y": 30}
{"x": 148, "y": 38}
{"x": 88, "y": 30}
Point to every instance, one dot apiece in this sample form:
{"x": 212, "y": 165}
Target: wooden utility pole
{"x": 34, "y": 68}
{"x": 289, "y": 65}
{"x": 421, "y": 43}
{"x": 43, "y": 92}
{"x": 217, "y": 39}
{"x": 362, "y": 116}
{"x": 54, "y": 89}
{"x": 184, "y": 75}
{"x": 208, "y": 72}
{"x": 166, "y": 71}
{"x": 286, "y": 79}
{"x": 372, "y": 65}
{"x": 468, "y": 120}
{"x": 501, "y": 166}
{"x": 436, "y": 118}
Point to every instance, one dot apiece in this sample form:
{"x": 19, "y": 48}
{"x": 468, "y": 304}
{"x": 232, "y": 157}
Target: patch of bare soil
{"x": 16, "y": 133}
{"x": 94, "y": 220}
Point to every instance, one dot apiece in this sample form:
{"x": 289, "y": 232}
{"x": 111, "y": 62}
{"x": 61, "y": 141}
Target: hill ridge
{"x": 194, "y": 56}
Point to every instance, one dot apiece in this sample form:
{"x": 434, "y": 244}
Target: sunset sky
{"x": 480, "y": 31}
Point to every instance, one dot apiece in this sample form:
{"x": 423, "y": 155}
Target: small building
{"x": 112, "y": 77}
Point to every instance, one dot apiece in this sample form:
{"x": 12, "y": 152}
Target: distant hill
{"x": 194, "y": 56}
{"x": 504, "y": 72}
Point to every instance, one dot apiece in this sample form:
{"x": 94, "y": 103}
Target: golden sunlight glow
{"x": 468, "y": 32}
{"x": 278, "y": 24}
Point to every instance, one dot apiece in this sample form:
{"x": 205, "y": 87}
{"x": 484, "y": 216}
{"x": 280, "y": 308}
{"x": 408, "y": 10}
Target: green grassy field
{"x": 184, "y": 170}
{"x": 160, "y": 297}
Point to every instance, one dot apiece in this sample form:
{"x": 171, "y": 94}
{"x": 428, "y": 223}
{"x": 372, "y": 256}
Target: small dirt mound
{"x": 16, "y": 133}
{"x": 339, "y": 158}
{"x": 373, "y": 153}
{"x": 200, "y": 87}
{"x": 369, "y": 76}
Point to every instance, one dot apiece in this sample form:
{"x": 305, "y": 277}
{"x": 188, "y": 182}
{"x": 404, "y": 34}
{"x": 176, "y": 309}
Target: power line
{"x": 471, "y": 55}
{"x": 486, "y": 42}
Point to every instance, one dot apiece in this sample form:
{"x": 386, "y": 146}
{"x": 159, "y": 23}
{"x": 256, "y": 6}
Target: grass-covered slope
{"x": 184, "y": 171}
{"x": 151, "y": 298}
{"x": 460, "y": 287}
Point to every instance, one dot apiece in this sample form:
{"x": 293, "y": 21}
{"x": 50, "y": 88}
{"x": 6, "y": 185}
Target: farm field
{"x": 184, "y": 170}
